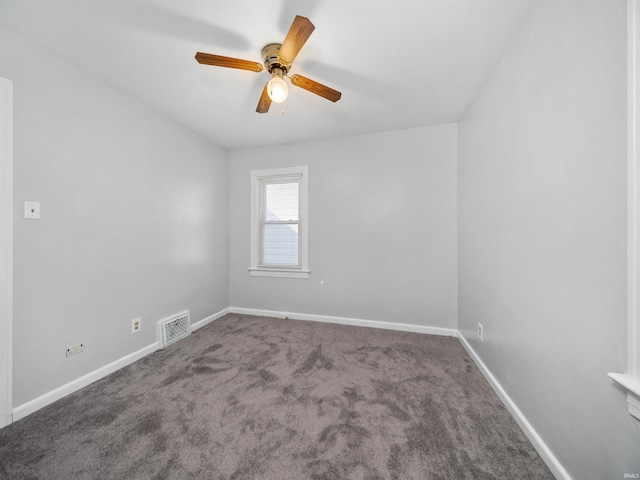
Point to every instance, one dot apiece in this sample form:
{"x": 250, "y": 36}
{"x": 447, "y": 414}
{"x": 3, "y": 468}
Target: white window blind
{"x": 280, "y": 219}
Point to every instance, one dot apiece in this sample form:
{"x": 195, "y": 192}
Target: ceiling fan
{"x": 277, "y": 58}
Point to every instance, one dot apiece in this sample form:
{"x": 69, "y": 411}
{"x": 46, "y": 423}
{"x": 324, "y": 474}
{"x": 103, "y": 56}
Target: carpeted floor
{"x": 262, "y": 398}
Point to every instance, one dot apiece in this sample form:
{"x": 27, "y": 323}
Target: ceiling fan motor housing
{"x": 271, "y": 58}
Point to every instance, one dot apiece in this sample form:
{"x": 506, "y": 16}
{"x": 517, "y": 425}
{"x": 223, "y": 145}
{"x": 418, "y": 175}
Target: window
{"x": 279, "y": 227}
{"x": 631, "y": 379}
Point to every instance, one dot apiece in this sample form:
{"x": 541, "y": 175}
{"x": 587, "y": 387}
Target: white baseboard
{"x": 543, "y": 450}
{"x": 541, "y": 447}
{"x": 209, "y": 319}
{"x": 356, "y": 322}
{"x": 31, "y": 406}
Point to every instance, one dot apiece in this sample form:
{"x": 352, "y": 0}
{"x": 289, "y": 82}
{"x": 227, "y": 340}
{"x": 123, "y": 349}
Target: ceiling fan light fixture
{"x": 277, "y": 59}
{"x": 277, "y": 88}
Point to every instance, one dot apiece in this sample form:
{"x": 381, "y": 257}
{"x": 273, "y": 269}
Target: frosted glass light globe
{"x": 277, "y": 89}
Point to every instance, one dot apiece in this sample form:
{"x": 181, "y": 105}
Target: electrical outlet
{"x": 136, "y": 325}
{"x": 480, "y": 332}
{"x": 76, "y": 349}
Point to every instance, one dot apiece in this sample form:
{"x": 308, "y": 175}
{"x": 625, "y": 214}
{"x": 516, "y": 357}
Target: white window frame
{"x": 259, "y": 178}
{"x": 631, "y": 379}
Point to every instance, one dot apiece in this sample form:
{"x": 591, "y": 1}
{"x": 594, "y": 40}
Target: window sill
{"x": 633, "y": 391}
{"x": 279, "y": 272}
{"x": 627, "y": 382}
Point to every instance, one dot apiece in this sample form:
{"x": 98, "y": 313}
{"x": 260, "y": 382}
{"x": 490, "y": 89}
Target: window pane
{"x": 281, "y": 201}
{"x": 280, "y": 244}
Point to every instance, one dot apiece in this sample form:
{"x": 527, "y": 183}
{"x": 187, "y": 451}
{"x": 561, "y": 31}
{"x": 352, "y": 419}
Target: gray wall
{"x": 542, "y": 231}
{"x": 382, "y": 211}
{"x": 134, "y": 221}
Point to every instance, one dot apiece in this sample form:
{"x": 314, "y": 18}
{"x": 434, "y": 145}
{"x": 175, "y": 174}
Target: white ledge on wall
{"x": 633, "y": 391}
{"x": 279, "y": 272}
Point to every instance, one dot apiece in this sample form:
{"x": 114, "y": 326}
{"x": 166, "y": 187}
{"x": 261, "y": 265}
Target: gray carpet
{"x": 261, "y": 398}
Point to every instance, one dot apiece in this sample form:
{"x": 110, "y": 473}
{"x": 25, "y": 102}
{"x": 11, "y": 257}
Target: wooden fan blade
{"x": 300, "y": 30}
{"x": 265, "y": 102}
{"x": 229, "y": 62}
{"x": 315, "y": 87}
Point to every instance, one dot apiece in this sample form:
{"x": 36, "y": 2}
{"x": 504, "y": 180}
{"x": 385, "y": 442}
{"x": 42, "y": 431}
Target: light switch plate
{"x": 32, "y": 210}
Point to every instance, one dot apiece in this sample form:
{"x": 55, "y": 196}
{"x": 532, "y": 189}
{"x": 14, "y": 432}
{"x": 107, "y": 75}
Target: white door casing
{"x": 6, "y": 250}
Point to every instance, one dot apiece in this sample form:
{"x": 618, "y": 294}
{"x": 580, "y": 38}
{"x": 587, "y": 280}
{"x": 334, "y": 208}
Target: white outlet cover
{"x": 136, "y": 325}
{"x": 76, "y": 349}
{"x": 32, "y": 210}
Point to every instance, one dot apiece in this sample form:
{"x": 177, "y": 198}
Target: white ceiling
{"x": 398, "y": 63}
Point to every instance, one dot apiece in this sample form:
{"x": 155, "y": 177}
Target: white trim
{"x": 278, "y": 272}
{"x": 255, "y": 269}
{"x": 209, "y": 319}
{"x": 627, "y": 382}
{"x": 6, "y": 250}
{"x": 633, "y": 49}
{"x": 541, "y": 447}
{"x": 631, "y": 379}
{"x": 48, "y": 398}
{"x": 543, "y": 450}
{"x": 356, "y": 322}
{"x": 42, "y": 401}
